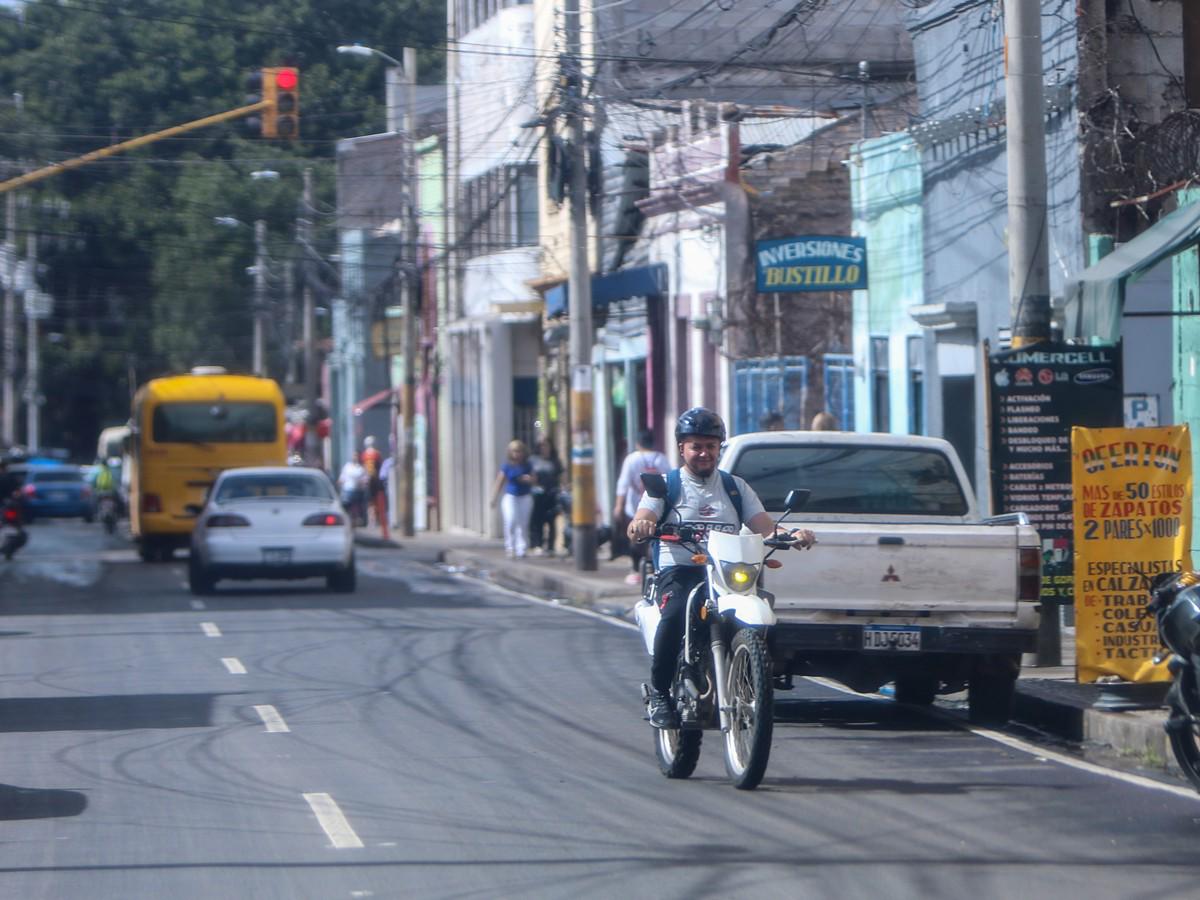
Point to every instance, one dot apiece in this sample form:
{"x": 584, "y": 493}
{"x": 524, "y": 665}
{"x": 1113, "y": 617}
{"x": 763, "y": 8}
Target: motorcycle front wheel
{"x": 678, "y": 751}
{"x": 1185, "y": 744}
{"x": 750, "y": 696}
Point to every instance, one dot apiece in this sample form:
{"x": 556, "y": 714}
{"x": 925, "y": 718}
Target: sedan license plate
{"x": 277, "y": 556}
{"x": 58, "y": 496}
{"x": 891, "y": 637}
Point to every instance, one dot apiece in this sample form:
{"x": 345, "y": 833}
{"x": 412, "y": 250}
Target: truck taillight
{"x": 1029, "y": 574}
{"x": 151, "y": 503}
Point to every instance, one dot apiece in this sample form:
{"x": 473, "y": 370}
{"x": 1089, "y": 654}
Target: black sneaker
{"x": 660, "y": 711}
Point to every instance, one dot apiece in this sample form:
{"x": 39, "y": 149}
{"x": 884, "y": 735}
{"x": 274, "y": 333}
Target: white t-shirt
{"x": 704, "y": 505}
{"x": 629, "y": 482}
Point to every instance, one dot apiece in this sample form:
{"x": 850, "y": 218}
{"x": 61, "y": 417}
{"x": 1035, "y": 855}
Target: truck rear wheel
{"x": 990, "y": 698}
{"x": 919, "y": 690}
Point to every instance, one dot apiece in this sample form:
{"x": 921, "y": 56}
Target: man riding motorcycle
{"x": 707, "y": 500}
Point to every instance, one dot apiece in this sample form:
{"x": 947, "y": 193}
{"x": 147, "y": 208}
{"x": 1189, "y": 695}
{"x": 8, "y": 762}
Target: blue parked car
{"x": 56, "y": 491}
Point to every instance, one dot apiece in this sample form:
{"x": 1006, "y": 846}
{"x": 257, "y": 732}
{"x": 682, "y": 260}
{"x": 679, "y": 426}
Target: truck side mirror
{"x": 795, "y": 499}
{"x": 655, "y": 485}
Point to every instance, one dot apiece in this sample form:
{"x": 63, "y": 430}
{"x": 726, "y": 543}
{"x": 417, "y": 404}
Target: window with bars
{"x": 766, "y": 386}
{"x": 499, "y": 210}
{"x": 881, "y": 421}
{"x": 839, "y": 388}
{"x": 470, "y": 14}
{"x": 916, "y": 385}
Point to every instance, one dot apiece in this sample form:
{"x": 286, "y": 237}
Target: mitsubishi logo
{"x": 891, "y": 575}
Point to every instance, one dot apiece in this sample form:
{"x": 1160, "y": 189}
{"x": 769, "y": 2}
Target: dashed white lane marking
{"x": 271, "y": 718}
{"x": 1007, "y": 740}
{"x": 198, "y": 604}
{"x": 330, "y": 818}
{"x": 210, "y": 629}
{"x": 234, "y": 665}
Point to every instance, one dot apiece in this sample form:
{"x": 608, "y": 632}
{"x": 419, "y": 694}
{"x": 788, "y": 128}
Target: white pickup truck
{"x": 907, "y": 583}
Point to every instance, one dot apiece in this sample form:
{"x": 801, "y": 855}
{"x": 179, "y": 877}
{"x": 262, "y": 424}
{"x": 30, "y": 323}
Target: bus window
{"x": 226, "y": 423}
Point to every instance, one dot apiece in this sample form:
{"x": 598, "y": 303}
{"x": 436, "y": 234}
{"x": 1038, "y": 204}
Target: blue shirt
{"x": 513, "y": 471}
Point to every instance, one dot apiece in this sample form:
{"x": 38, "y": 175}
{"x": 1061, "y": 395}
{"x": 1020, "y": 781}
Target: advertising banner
{"x": 819, "y": 262}
{"x": 1133, "y": 518}
{"x": 1036, "y": 395}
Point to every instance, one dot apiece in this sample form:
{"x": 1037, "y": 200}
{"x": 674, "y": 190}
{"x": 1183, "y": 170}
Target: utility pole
{"x": 260, "y": 294}
{"x": 864, "y": 75}
{"x": 579, "y": 286}
{"x": 9, "y": 398}
{"x": 1028, "y": 243}
{"x": 312, "y": 451}
{"x": 33, "y": 311}
{"x": 406, "y": 496}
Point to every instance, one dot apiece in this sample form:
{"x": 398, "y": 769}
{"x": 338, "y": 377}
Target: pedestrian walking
{"x": 513, "y": 490}
{"x": 644, "y": 460}
{"x": 372, "y": 462}
{"x": 823, "y": 421}
{"x": 547, "y": 472}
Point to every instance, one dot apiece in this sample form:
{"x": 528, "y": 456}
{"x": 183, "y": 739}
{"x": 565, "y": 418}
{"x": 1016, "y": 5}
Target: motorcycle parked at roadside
{"x": 1175, "y": 605}
{"x": 724, "y": 678}
{"x": 12, "y": 533}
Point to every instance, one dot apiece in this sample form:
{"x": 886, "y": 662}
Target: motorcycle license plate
{"x": 891, "y": 637}
{"x": 277, "y": 556}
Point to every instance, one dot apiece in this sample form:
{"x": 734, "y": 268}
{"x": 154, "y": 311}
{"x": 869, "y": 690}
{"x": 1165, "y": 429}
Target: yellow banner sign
{"x": 1132, "y": 491}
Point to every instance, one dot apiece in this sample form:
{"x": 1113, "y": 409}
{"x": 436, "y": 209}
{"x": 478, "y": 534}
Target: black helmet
{"x": 699, "y": 422}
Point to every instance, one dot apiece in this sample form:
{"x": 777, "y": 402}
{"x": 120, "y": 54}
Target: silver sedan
{"x": 272, "y": 522}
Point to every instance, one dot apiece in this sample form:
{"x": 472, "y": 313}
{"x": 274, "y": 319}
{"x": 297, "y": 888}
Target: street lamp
{"x": 394, "y": 76}
{"x": 259, "y": 270}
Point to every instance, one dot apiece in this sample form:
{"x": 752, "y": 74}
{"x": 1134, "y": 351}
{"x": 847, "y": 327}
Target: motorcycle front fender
{"x": 749, "y": 609}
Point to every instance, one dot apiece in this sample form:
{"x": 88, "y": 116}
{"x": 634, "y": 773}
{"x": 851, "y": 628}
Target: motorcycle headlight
{"x": 740, "y": 577}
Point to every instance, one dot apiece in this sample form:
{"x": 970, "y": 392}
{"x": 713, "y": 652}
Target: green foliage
{"x": 144, "y": 281}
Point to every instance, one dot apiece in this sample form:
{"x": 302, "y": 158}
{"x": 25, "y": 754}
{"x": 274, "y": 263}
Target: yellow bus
{"x": 186, "y": 430}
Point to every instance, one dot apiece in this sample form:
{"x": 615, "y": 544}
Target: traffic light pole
{"x": 312, "y": 450}
{"x": 260, "y": 297}
{"x": 133, "y": 144}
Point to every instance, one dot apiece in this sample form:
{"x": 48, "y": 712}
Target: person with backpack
{"x": 701, "y": 496}
{"x": 645, "y": 459}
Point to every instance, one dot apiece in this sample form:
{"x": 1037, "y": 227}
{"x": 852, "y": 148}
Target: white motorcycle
{"x": 724, "y": 678}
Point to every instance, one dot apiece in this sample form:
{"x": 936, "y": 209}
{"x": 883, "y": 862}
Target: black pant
{"x": 674, "y": 585}
{"x": 542, "y": 520}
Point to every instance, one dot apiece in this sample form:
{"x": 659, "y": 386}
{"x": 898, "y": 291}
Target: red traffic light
{"x": 286, "y": 79}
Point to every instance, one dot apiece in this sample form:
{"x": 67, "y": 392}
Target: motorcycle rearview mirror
{"x": 655, "y": 485}
{"x": 795, "y": 499}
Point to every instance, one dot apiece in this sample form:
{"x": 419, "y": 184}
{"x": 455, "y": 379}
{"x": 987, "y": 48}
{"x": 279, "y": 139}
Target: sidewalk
{"x": 1048, "y": 699}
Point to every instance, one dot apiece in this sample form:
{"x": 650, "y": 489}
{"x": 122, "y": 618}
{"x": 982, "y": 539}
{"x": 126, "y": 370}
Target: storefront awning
{"x": 642, "y": 281}
{"x": 1095, "y": 298}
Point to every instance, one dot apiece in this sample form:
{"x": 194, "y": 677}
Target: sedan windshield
{"x": 855, "y": 480}
{"x": 274, "y": 487}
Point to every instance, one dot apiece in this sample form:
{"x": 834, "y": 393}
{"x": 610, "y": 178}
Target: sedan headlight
{"x": 740, "y": 577}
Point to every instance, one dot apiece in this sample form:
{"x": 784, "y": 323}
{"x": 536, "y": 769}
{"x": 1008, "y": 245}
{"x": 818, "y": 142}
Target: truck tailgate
{"x": 900, "y": 569}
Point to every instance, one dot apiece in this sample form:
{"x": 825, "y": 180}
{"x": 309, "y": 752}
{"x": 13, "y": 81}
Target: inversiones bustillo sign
{"x": 813, "y": 263}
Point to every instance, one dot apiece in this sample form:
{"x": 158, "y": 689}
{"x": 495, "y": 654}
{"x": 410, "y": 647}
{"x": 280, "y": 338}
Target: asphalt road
{"x": 430, "y": 736}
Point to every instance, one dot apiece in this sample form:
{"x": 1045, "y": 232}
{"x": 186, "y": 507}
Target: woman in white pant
{"x": 513, "y": 488}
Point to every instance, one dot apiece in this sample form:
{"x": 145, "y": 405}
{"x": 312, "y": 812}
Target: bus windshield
{"x": 219, "y": 423}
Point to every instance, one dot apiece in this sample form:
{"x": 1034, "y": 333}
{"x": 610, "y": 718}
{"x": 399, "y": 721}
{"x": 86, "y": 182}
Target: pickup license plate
{"x": 891, "y": 637}
{"x": 277, "y": 556}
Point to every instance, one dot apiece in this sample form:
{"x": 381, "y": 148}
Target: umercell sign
{"x": 1037, "y": 395}
{"x": 813, "y": 263}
